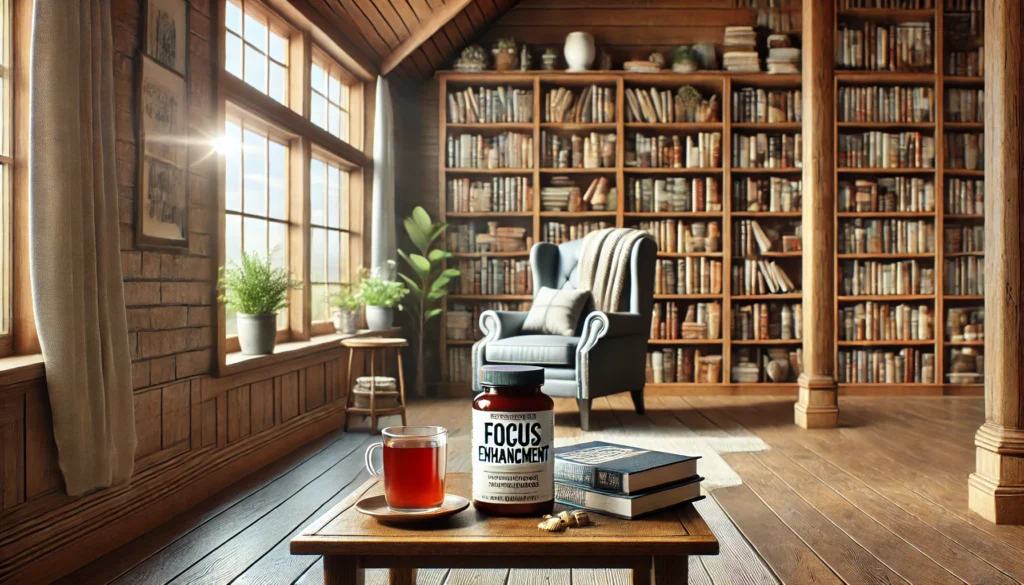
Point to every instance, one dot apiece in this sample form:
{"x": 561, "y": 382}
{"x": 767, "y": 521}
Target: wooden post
{"x": 817, "y": 406}
{"x": 997, "y": 486}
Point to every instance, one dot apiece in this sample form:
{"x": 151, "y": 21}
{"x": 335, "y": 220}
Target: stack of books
{"x": 623, "y": 481}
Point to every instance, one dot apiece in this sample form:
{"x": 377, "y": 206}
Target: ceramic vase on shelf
{"x": 257, "y": 334}
{"x": 379, "y": 318}
{"x": 579, "y": 51}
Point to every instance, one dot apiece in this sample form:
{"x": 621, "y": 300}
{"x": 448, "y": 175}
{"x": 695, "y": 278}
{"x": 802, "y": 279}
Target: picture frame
{"x": 161, "y": 202}
{"x": 165, "y": 33}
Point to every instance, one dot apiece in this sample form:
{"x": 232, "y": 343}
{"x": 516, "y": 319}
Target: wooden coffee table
{"x": 655, "y": 547}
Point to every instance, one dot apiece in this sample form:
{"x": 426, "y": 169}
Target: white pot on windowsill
{"x": 379, "y": 318}
{"x": 345, "y": 321}
{"x": 257, "y": 334}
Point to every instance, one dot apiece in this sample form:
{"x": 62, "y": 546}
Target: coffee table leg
{"x": 403, "y": 576}
{"x": 670, "y": 570}
{"x": 343, "y": 571}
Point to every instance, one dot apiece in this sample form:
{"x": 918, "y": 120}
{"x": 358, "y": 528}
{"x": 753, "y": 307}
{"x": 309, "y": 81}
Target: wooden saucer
{"x": 377, "y": 507}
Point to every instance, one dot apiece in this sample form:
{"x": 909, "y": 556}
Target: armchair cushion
{"x": 536, "y": 350}
{"x": 555, "y": 312}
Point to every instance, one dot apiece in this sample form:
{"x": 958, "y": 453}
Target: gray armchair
{"x": 607, "y": 355}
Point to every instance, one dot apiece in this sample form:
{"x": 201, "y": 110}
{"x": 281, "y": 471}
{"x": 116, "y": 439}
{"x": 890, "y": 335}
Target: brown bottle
{"x": 513, "y": 443}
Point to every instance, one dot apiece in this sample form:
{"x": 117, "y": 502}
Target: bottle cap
{"x": 513, "y": 376}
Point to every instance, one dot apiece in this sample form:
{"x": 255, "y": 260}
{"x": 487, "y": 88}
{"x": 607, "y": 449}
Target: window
{"x": 256, "y": 48}
{"x": 6, "y": 195}
{"x": 329, "y": 97}
{"x": 255, "y": 199}
{"x": 329, "y": 234}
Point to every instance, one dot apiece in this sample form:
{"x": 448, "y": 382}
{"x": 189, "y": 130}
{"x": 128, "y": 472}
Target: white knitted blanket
{"x": 604, "y": 265}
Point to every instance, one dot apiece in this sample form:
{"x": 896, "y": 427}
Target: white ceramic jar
{"x": 579, "y": 51}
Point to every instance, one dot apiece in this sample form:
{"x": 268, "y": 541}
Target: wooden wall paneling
{"x": 289, "y": 396}
{"x": 147, "y": 422}
{"x": 261, "y": 406}
{"x": 238, "y": 413}
{"x": 175, "y": 414}
{"x": 196, "y": 405}
{"x": 12, "y": 450}
{"x": 42, "y": 474}
{"x": 209, "y": 424}
{"x": 315, "y": 388}
{"x": 222, "y": 420}
{"x": 301, "y": 390}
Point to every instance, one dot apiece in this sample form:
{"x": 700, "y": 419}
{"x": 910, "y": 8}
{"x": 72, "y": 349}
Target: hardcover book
{"x": 632, "y": 505}
{"x": 620, "y": 468}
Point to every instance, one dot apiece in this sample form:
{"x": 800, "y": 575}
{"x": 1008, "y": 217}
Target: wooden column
{"x": 817, "y": 406}
{"x": 997, "y": 486}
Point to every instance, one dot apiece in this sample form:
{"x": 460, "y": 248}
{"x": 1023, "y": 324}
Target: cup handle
{"x": 369, "y": 460}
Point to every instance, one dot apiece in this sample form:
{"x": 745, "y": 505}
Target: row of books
{"x": 757, "y": 105}
{"x": 965, "y": 196}
{"x": 508, "y": 150}
{"x": 882, "y": 366}
{"x": 462, "y": 319}
{"x": 964, "y": 18}
{"x": 685, "y": 365}
{"x": 494, "y": 276}
{"x": 773, "y": 364}
{"x": 890, "y": 103}
{"x": 766, "y": 194}
{"x": 766, "y": 321}
{"x": 965, "y": 323}
{"x": 460, "y": 365}
{"x": 688, "y": 276}
{"x": 699, "y": 321}
{"x": 590, "y": 151}
{"x": 678, "y": 194}
{"x": 767, "y": 151}
{"x": 695, "y": 151}
{"x": 891, "y": 4}
{"x": 565, "y": 194}
{"x": 469, "y": 237}
{"x": 751, "y": 239}
{"x": 887, "y": 195}
{"x": 963, "y": 238}
{"x": 676, "y": 235}
{"x": 655, "y": 106}
{"x": 970, "y": 63}
{"x": 896, "y": 47}
{"x": 592, "y": 104}
{"x": 964, "y": 276}
{"x": 760, "y": 277}
{"x": 964, "y": 150}
{"x": 886, "y": 150}
{"x": 886, "y": 236}
{"x": 964, "y": 104}
{"x": 873, "y": 321}
{"x": 497, "y": 194}
{"x": 872, "y": 277}
{"x": 490, "y": 105}
{"x": 559, "y": 233}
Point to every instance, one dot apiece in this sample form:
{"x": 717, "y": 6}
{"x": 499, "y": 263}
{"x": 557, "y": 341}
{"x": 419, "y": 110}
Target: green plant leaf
{"x": 440, "y": 282}
{"x": 437, "y": 294}
{"x": 431, "y": 314}
{"x": 436, "y": 255}
{"x": 418, "y": 236}
{"x": 435, "y": 231}
{"x": 414, "y": 287}
{"x": 421, "y": 265}
{"x": 422, "y": 219}
{"x": 451, "y": 273}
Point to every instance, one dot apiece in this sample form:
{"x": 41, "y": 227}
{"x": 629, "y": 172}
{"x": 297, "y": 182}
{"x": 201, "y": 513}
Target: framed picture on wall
{"x": 166, "y": 32}
{"x": 162, "y": 197}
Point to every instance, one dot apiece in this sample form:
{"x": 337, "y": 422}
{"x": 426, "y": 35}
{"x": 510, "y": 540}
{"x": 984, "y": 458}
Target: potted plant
{"x": 504, "y": 54}
{"x": 381, "y": 295}
{"x": 257, "y": 292}
{"x": 429, "y": 280}
{"x": 346, "y": 304}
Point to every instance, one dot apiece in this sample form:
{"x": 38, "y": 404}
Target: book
{"x": 620, "y": 468}
{"x": 494, "y": 276}
{"x": 695, "y": 151}
{"x": 699, "y": 321}
{"x": 559, "y": 233}
{"x": 767, "y": 151}
{"x": 886, "y": 194}
{"x": 969, "y": 63}
{"x": 873, "y": 103}
{"x": 629, "y": 506}
{"x": 875, "y": 321}
{"x": 486, "y": 105}
{"x": 906, "y": 46}
{"x": 887, "y": 236}
{"x": 767, "y": 321}
{"x": 870, "y": 277}
{"x": 885, "y": 366}
{"x": 688, "y": 276}
{"x": 965, "y": 196}
{"x": 656, "y": 106}
{"x": 757, "y": 105}
{"x": 673, "y": 194}
{"x": 593, "y": 150}
{"x": 508, "y": 150}
{"x": 965, "y": 150}
{"x": 766, "y": 194}
{"x": 886, "y": 150}
{"x": 497, "y": 194}
{"x": 591, "y": 104}
{"x": 965, "y": 104}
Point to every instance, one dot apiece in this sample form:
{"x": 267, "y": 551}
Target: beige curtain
{"x": 77, "y": 291}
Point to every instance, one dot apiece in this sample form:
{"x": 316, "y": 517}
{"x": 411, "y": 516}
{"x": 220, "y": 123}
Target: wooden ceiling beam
{"x": 419, "y": 36}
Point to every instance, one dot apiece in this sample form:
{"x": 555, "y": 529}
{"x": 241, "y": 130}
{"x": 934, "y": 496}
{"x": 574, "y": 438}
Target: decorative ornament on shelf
{"x": 549, "y": 60}
{"x": 684, "y": 60}
{"x": 525, "y": 58}
{"x": 473, "y": 58}
{"x": 579, "y": 51}
{"x": 657, "y": 59}
{"x": 504, "y": 51}
{"x": 706, "y": 55}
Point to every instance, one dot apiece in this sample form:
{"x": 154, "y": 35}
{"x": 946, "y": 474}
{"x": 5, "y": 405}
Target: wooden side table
{"x": 373, "y": 345}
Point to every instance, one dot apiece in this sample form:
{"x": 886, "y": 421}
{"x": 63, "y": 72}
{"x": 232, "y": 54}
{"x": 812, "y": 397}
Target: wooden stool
{"x": 373, "y": 344}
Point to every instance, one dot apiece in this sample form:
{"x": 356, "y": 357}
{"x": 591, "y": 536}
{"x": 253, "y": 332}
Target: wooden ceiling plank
{"x": 648, "y": 17}
{"x": 344, "y": 34}
{"x": 476, "y": 16}
{"x": 345, "y": 10}
{"x": 420, "y": 7}
{"x": 391, "y": 16}
{"x": 405, "y": 12}
{"x": 451, "y": 30}
{"x": 442, "y": 45}
{"x": 489, "y": 10}
{"x": 426, "y": 30}
{"x": 465, "y": 27}
{"x": 433, "y": 55}
{"x": 371, "y": 16}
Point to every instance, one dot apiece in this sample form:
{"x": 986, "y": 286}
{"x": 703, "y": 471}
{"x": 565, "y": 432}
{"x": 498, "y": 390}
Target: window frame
{"x": 237, "y": 100}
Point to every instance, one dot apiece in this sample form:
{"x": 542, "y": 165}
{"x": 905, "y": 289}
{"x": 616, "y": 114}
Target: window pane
{"x": 319, "y": 309}
{"x": 255, "y": 69}
{"x": 230, "y": 322}
{"x": 256, "y": 33}
{"x": 343, "y": 265}
{"x": 233, "y": 54}
{"x": 334, "y": 120}
{"x": 333, "y": 194}
{"x": 233, "y": 17}
{"x": 333, "y": 256}
{"x": 233, "y": 238}
{"x": 344, "y": 97}
{"x": 317, "y": 191}
{"x": 278, "y": 85}
{"x": 318, "y": 79}
{"x": 255, "y": 148}
{"x": 278, "y": 244}
{"x": 334, "y": 89}
{"x": 343, "y": 131}
{"x": 233, "y": 167}
{"x": 278, "y": 48}
{"x": 255, "y": 236}
{"x": 318, "y": 110}
{"x": 317, "y": 255}
{"x": 343, "y": 202}
{"x": 278, "y": 186}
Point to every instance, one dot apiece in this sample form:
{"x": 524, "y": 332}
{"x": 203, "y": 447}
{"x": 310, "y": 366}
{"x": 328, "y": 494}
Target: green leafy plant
{"x": 254, "y": 286}
{"x": 429, "y": 280}
{"x": 348, "y": 299}
{"x": 379, "y": 292}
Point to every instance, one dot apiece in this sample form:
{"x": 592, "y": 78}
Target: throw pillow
{"x": 555, "y": 312}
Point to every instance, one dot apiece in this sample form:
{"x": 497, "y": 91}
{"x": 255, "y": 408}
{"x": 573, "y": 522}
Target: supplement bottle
{"x": 513, "y": 443}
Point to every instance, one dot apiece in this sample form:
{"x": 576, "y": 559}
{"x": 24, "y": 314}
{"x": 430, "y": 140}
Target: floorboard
{"x": 882, "y": 499}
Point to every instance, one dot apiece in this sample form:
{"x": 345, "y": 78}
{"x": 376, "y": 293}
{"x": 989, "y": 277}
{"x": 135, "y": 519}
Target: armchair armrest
{"x": 599, "y": 324}
{"x": 501, "y": 324}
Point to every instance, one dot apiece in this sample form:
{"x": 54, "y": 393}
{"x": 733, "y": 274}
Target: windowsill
{"x": 21, "y": 368}
{"x": 237, "y": 362}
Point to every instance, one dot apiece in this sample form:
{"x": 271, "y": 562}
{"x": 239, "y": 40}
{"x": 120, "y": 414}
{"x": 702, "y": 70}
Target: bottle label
{"x": 513, "y": 457}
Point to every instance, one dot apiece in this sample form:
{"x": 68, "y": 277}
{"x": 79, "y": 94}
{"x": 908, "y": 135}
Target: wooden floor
{"x": 883, "y": 499}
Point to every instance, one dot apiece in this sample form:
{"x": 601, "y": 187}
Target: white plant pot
{"x": 344, "y": 321}
{"x": 379, "y": 318}
{"x": 257, "y": 334}
{"x": 579, "y": 51}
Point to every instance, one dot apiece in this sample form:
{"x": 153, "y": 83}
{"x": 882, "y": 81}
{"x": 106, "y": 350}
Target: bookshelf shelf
{"x": 768, "y": 214}
{"x": 490, "y": 297}
{"x": 689, "y": 254}
{"x": 886, "y": 342}
{"x": 675, "y": 126}
{"x": 886, "y": 14}
{"x": 921, "y": 256}
{"x": 470, "y": 255}
{"x": 777, "y": 171}
{"x": 770, "y": 255}
{"x": 672, "y": 171}
{"x": 885, "y": 77}
{"x": 964, "y": 297}
{"x": 962, "y": 126}
{"x": 966, "y": 343}
{"x": 963, "y": 254}
{"x": 767, "y": 342}
{"x": 965, "y": 216}
{"x": 964, "y": 173}
{"x": 885, "y": 214}
{"x": 677, "y": 297}
{"x": 770, "y": 297}
{"x": 578, "y": 214}
{"x": 459, "y": 342}
{"x": 969, "y": 80}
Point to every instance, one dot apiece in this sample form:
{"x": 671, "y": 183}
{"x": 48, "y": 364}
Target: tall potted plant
{"x": 428, "y": 283}
{"x": 381, "y": 295}
{"x": 257, "y": 292}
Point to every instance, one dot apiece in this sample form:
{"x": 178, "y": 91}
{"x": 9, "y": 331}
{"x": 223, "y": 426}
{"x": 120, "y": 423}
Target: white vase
{"x": 579, "y": 51}
{"x": 257, "y": 334}
{"x": 379, "y": 318}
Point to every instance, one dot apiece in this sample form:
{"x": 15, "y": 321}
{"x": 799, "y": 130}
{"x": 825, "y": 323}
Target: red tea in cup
{"x": 415, "y": 460}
